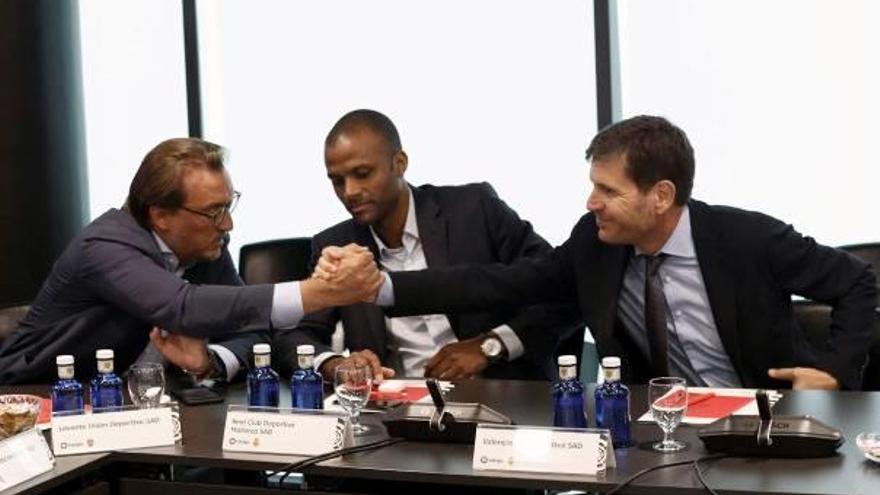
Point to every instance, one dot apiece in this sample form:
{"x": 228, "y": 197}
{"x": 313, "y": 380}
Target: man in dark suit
{"x": 161, "y": 262}
{"x": 410, "y": 227}
{"x": 671, "y": 284}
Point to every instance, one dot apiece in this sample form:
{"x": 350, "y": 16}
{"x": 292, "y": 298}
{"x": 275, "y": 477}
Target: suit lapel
{"x": 717, "y": 277}
{"x": 610, "y": 280}
{"x": 432, "y": 229}
{"x": 372, "y": 315}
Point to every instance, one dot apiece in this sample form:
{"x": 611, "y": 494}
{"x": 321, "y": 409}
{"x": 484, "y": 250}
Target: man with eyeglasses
{"x": 161, "y": 263}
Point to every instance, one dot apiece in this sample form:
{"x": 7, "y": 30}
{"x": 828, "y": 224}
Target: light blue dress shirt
{"x": 695, "y": 349}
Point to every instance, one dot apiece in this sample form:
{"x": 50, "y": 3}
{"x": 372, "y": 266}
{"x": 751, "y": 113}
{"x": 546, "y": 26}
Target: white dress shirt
{"x": 413, "y": 340}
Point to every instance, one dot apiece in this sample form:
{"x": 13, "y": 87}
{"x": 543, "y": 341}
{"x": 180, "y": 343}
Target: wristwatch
{"x": 216, "y": 369}
{"x": 492, "y": 348}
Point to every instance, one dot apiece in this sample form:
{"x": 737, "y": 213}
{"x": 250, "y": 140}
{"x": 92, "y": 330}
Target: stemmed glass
{"x": 146, "y": 383}
{"x": 353, "y": 383}
{"x": 668, "y": 396}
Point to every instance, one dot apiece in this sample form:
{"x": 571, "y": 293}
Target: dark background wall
{"x": 43, "y": 196}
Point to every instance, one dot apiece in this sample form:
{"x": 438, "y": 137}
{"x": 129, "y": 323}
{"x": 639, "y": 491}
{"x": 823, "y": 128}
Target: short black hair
{"x": 655, "y": 150}
{"x": 366, "y": 119}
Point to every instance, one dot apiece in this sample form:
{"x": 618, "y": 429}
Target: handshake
{"x": 342, "y": 276}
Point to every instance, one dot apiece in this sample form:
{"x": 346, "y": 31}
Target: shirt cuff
{"x": 511, "y": 342}
{"x": 229, "y": 360}
{"x": 386, "y": 292}
{"x": 320, "y": 358}
{"x": 287, "y": 305}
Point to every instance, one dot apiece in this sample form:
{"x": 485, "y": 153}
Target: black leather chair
{"x": 815, "y": 321}
{"x": 870, "y": 252}
{"x": 275, "y": 261}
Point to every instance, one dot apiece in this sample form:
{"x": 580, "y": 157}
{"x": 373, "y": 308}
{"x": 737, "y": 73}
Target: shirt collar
{"x": 171, "y": 260}
{"x": 681, "y": 242}
{"x": 410, "y": 229}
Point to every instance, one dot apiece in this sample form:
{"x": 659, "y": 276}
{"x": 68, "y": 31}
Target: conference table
{"x": 430, "y": 467}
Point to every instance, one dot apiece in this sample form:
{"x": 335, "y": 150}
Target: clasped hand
{"x": 350, "y": 273}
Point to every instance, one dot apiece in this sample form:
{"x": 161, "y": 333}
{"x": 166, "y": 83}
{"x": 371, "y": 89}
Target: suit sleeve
{"x": 125, "y": 277}
{"x": 539, "y": 327}
{"x": 315, "y": 328}
{"x": 239, "y": 344}
{"x": 824, "y": 274}
{"x": 480, "y": 287}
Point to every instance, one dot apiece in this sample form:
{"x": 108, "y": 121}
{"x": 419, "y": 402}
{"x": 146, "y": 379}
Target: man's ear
{"x": 399, "y": 162}
{"x": 158, "y": 218}
{"x": 665, "y": 195}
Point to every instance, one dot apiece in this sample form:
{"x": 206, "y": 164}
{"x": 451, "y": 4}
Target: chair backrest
{"x": 10, "y": 318}
{"x": 275, "y": 261}
{"x": 815, "y": 321}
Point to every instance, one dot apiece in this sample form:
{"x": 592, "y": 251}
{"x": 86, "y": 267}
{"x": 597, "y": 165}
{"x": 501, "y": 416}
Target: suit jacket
{"x": 110, "y": 287}
{"x": 751, "y": 265}
{"x": 457, "y": 224}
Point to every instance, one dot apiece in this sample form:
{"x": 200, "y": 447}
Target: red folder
{"x": 408, "y": 394}
{"x": 714, "y": 406}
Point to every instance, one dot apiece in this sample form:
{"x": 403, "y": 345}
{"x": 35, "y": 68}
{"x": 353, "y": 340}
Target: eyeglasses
{"x": 217, "y": 215}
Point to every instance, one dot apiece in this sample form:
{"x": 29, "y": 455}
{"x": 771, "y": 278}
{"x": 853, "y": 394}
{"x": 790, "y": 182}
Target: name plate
{"x": 22, "y": 457}
{"x": 285, "y": 431}
{"x": 129, "y": 428}
{"x": 542, "y": 450}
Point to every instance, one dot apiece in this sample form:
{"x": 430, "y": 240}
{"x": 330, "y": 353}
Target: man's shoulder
{"x": 118, "y": 226}
{"x": 730, "y": 218}
{"x": 457, "y": 191}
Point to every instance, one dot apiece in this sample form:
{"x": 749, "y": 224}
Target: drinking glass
{"x": 668, "y": 396}
{"x": 353, "y": 383}
{"x": 146, "y": 383}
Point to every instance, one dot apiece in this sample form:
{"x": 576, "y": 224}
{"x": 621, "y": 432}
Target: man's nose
{"x": 593, "y": 203}
{"x": 226, "y": 224}
{"x": 352, "y": 188}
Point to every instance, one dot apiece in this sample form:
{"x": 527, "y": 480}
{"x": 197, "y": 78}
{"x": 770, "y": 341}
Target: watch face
{"x": 491, "y": 347}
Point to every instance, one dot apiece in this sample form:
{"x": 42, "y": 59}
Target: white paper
{"x": 285, "y": 431}
{"x": 542, "y": 450}
{"x": 750, "y": 409}
{"x": 117, "y": 430}
{"x": 24, "y": 456}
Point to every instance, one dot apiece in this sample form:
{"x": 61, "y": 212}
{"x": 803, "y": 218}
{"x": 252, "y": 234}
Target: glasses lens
{"x": 232, "y": 204}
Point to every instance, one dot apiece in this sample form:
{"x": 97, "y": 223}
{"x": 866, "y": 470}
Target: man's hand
{"x": 188, "y": 353}
{"x": 805, "y": 378}
{"x": 343, "y": 276}
{"x": 458, "y": 360}
{"x": 359, "y": 358}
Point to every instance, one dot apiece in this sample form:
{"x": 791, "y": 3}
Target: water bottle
{"x": 106, "y": 387}
{"x": 67, "y": 393}
{"x": 306, "y": 385}
{"x": 612, "y": 403}
{"x": 568, "y": 396}
{"x": 262, "y": 381}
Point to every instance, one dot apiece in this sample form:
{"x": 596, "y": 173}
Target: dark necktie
{"x": 655, "y": 316}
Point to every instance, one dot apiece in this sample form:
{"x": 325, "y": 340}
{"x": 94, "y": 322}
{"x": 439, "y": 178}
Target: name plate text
{"x": 117, "y": 430}
{"x": 268, "y": 432}
{"x": 542, "y": 450}
{"x": 22, "y": 457}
